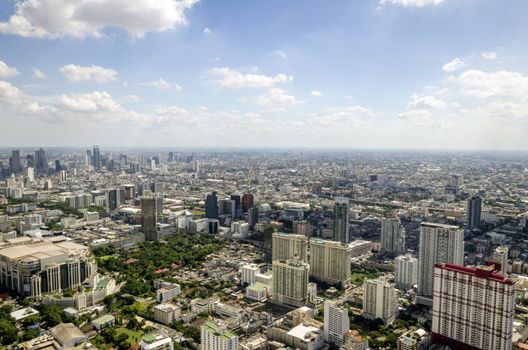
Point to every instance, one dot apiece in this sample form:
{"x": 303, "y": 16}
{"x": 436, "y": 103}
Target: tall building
{"x": 247, "y": 202}
{"x": 253, "y": 217}
{"x": 473, "y": 307}
{"x": 211, "y": 206}
{"x": 286, "y": 246}
{"x": 96, "y": 158}
{"x": 290, "y": 282}
{"x": 379, "y": 300}
{"x": 238, "y": 209}
{"x": 116, "y": 197}
{"x": 439, "y": 243}
{"x": 149, "y": 214}
{"x": 30, "y": 160}
{"x": 500, "y": 256}
{"x": 41, "y": 162}
{"x": 216, "y": 336}
{"x": 341, "y": 229}
{"x": 302, "y": 227}
{"x": 405, "y": 271}
{"x": 392, "y": 237}
{"x": 248, "y": 273}
{"x": 414, "y": 340}
{"x": 474, "y": 210}
{"x": 170, "y": 159}
{"x": 330, "y": 261}
{"x": 88, "y": 157}
{"x": 336, "y": 323}
{"x": 14, "y": 162}
{"x": 58, "y": 165}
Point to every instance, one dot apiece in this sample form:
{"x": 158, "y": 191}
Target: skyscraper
{"x": 211, "y": 206}
{"x": 473, "y": 308}
{"x": 286, "y": 246}
{"x": 405, "y": 271}
{"x": 290, "y": 282}
{"x": 88, "y": 157}
{"x": 96, "y": 158}
{"x": 302, "y": 227}
{"x": 474, "y": 210}
{"x": 438, "y": 244}
{"x": 236, "y": 197}
{"x": 247, "y": 202}
{"x": 379, "y": 300}
{"x": 14, "y": 162}
{"x": 341, "y": 229}
{"x": 41, "y": 162}
{"x": 336, "y": 323}
{"x": 253, "y": 217}
{"x": 149, "y": 214}
{"x": 392, "y": 237}
{"x": 500, "y": 256}
{"x": 330, "y": 261}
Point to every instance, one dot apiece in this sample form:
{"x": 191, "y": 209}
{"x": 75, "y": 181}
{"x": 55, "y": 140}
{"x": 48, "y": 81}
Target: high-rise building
{"x": 30, "y": 174}
{"x": 302, "y": 227}
{"x": 253, "y": 217}
{"x": 96, "y": 158}
{"x": 58, "y": 166}
{"x": 474, "y": 210}
{"x": 290, "y": 282}
{"x": 116, "y": 197}
{"x": 170, "y": 159}
{"x": 439, "y": 243}
{"x": 473, "y": 307}
{"x": 330, "y": 261}
{"x": 211, "y": 206}
{"x": 392, "y": 237}
{"x": 216, "y": 336}
{"x": 341, "y": 229}
{"x": 149, "y": 214}
{"x": 379, "y": 300}
{"x": 30, "y": 160}
{"x": 14, "y": 162}
{"x": 238, "y": 209}
{"x": 41, "y": 162}
{"x": 248, "y": 273}
{"x": 88, "y": 157}
{"x": 405, "y": 271}
{"x": 417, "y": 339}
{"x": 336, "y": 323}
{"x": 247, "y": 202}
{"x": 500, "y": 256}
{"x": 286, "y": 246}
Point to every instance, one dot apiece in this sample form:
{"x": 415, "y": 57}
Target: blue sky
{"x": 425, "y": 74}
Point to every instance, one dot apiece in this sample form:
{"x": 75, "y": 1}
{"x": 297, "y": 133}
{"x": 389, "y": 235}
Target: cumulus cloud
{"x": 482, "y": 84}
{"x": 425, "y": 102}
{"x": 453, "y": 65}
{"x": 316, "y": 93}
{"x": 489, "y": 56}
{"x": 207, "y": 31}
{"x": 356, "y": 116}
{"x": 38, "y": 74}
{"x": 280, "y": 54}
{"x": 412, "y": 3}
{"x": 231, "y": 78}
{"x": 6, "y": 71}
{"x": 161, "y": 84}
{"x": 277, "y": 97}
{"x": 76, "y": 73}
{"x": 88, "y": 18}
{"x": 97, "y": 101}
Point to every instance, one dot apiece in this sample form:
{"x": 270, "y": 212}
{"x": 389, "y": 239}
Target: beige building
{"x": 330, "y": 261}
{"x": 286, "y": 246}
{"x": 290, "y": 282}
{"x": 379, "y": 300}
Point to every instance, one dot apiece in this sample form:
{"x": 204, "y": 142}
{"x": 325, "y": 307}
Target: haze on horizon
{"x": 378, "y": 74}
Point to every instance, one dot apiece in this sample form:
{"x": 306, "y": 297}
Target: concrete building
{"x": 360, "y": 247}
{"x": 330, "y": 261}
{"x": 474, "y": 210}
{"x": 286, "y": 246}
{"x": 341, "y": 226}
{"x": 166, "y": 313}
{"x": 248, "y": 272}
{"x": 302, "y": 227}
{"x": 473, "y": 308}
{"x": 290, "y": 282}
{"x": 439, "y": 243}
{"x": 216, "y": 336}
{"x": 500, "y": 256}
{"x": 392, "y": 237}
{"x": 379, "y": 300}
{"x": 149, "y": 214}
{"x": 405, "y": 271}
{"x": 336, "y": 323}
{"x": 156, "y": 341}
{"x": 167, "y": 292}
{"x": 414, "y": 340}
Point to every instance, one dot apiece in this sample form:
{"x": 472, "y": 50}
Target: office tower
{"x": 253, "y": 217}
{"x": 96, "y": 161}
{"x": 455, "y": 184}
{"x": 302, "y": 227}
{"x": 439, "y": 243}
{"x": 473, "y": 307}
{"x": 196, "y": 167}
{"x": 227, "y": 207}
{"x": 129, "y": 191}
{"x": 392, "y": 237}
{"x": 30, "y": 160}
{"x": 88, "y": 157}
{"x": 336, "y": 323}
{"x": 216, "y": 336}
{"x": 247, "y": 202}
{"x": 14, "y": 162}
{"x": 58, "y": 166}
{"x": 41, "y": 162}
{"x": 330, "y": 261}
{"x": 238, "y": 210}
{"x": 116, "y": 197}
{"x": 417, "y": 339}
{"x": 500, "y": 256}
{"x": 405, "y": 271}
{"x": 63, "y": 176}
{"x": 170, "y": 158}
{"x": 211, "y": 206}
{"x": 149, "y": 214}
{"x": 285, "y": 246}
{"x": 30, "y": 174}
{"x": 290, "y": 282}
{"x": 341, "y": 220}
{"x": 474, "y": 210}
{"x": 379, "y": 300}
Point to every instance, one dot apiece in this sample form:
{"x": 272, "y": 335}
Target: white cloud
{"x": 277, "y": 97}
{"x": 9, "y": 93}
{"x": 97, "y": 101}
{"x": 231, "y": 78}
{"x": 161, "y": 84}
{"x": 6, "y": 71}
{"x": 88, "y": 18}
{"x": 76, "y": 73}
{"x": 280, "y": 54}
{"x": 316, "y": 93}
{"x": 481, "y": 84}
{"x": 356, "y": 116}
{"x": 38, "y": 74}
{"x": 425, "y": 102}
{"x": 207, "y": 31}
{"x": 489, "y": 56}
{"x": 453, "y": 65}
{"x": 412, "y": 3}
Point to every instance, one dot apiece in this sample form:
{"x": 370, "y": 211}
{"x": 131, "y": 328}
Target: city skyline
{"x": 389, "y": 74}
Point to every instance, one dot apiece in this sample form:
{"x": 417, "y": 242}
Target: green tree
{"x": 8, "y": 331}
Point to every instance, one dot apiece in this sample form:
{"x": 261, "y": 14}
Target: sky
{"x": 387, "y": 74}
